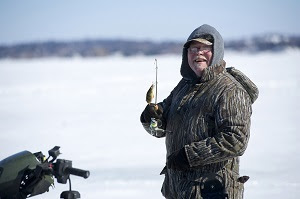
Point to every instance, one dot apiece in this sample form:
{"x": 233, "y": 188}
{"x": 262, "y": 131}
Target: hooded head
{"x": 208, "y": 34}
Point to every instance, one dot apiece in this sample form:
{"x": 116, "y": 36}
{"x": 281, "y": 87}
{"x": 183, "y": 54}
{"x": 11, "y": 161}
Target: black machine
{"x": 213, "y": 187}
{"x": 27, "y": 174}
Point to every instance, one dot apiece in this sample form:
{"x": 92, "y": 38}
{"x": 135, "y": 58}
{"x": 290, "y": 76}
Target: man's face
{"x": 199, "y": 57}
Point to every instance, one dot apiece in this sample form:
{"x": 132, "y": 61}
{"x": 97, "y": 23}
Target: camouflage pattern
{"x": 210, "y": 117}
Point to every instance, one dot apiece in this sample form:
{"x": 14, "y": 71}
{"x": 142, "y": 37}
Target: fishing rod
{"x": 150, "y": 93}
{"x": 155, "y": 124}
{"x": 156, "y": 81}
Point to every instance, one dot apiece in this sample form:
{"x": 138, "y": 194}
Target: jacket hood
{"x": 247, "y": 84}
{"x": 218, "y": 50}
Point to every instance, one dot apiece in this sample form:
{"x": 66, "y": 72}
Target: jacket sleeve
{"x": 232, "y": 118}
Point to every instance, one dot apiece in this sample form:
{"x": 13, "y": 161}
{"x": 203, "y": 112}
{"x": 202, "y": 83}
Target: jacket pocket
{"x": 165, "y": 187}
{"x": 189, "y": 190}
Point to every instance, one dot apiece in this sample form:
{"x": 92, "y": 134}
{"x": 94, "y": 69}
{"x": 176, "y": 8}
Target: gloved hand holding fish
{"x": 153, "y": 111}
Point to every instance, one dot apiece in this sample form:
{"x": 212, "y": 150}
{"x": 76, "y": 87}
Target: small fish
{"x": 150, "y": 94}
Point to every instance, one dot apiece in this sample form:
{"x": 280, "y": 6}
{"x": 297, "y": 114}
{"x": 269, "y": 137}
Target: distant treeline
{"x": 101, "y": 47}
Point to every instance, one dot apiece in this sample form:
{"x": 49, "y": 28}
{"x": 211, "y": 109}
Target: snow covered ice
{"x": 91, "y": 108}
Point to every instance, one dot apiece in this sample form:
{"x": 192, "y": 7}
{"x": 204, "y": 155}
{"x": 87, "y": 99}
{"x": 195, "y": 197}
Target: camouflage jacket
{"x": 210, "y": 118}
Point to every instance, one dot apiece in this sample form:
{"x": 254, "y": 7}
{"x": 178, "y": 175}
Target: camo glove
{"x": 151, "y": 111}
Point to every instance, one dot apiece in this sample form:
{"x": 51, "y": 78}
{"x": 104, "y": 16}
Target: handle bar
{"x": 77, "y": 172}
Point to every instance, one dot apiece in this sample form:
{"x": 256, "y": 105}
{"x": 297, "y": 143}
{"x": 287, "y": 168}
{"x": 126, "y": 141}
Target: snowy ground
{"x": 91, "y": 108}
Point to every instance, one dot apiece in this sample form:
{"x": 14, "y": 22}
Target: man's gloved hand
{"x": 151, "y": 111}
{"x": 178, "y": 160}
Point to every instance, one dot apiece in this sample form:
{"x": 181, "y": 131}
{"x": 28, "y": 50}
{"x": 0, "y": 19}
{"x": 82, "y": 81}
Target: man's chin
{"x": 200, "y": 67}
{"x": 199, "y": 70}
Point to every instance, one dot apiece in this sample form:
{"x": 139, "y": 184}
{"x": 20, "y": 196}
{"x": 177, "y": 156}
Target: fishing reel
{"x": 156, "y": 128}
{"x": 155, "y": 124}
{"x": 27, "y": 174}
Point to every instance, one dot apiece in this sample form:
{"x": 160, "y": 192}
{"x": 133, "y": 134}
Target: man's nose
{"x": 199, "y": 51}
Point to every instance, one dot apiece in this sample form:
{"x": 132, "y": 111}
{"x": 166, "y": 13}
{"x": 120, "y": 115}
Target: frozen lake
{"x": 91, "y": 108}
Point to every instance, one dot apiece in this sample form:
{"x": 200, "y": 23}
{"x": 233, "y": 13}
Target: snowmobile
{"x": 27, "y": 174}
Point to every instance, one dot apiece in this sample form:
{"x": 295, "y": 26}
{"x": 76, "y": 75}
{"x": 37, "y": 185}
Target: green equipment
{"x": 27, "y": 174}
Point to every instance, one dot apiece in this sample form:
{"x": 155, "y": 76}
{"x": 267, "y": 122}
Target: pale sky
{"x": 156, "y": 20}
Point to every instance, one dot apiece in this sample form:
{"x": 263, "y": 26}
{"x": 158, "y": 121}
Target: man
{"x": 206, "y": 122}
